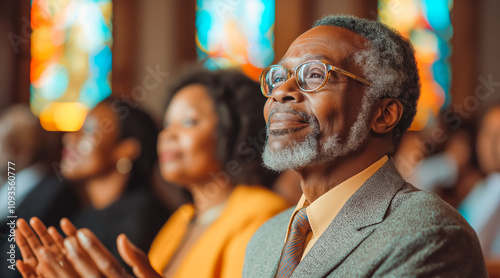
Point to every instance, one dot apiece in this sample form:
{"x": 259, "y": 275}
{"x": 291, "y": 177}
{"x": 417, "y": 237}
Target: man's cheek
{"x": 266, "y": 109}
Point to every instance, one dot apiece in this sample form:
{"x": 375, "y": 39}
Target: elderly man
{"x": 339, "y": 102}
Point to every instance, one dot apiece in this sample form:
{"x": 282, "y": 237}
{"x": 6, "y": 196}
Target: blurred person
{"x": 212, "y": 124}
{"x": 210, "y": 144}
{"x": 481, "y": 207}
{"x": 171, "y": 195}
{"x": 441, "y": 160}
{"x": 409, "y": 153}
{"x": 38, "y": 192}
{"x": 453, "y": 172}
{"x": 111, "y": 159}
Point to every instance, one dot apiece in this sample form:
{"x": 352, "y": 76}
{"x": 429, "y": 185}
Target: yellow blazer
{"x": 220, "y": 251}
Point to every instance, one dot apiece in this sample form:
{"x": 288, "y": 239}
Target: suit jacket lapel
{"x": 272, "y": 254}
{"x": 356, "y": 220}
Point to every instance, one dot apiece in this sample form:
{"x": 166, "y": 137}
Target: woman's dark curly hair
{"x": 241, "y": 132}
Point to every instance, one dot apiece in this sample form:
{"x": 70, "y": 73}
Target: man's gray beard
{"x": 310, "y": 151}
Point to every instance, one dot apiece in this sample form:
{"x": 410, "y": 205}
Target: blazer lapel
{"x": 273, "y": 257}
{"x": 355, "y": 222}
{"x": 273, "y": 244}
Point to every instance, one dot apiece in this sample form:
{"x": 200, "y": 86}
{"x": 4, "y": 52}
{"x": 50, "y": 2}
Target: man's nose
{"x": 288, "y": 92}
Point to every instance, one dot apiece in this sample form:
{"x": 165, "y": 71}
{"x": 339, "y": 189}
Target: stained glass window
{"x": 235, "y": 33}
{"x": 70, "y": 60}
{"x": 428, "y": 26}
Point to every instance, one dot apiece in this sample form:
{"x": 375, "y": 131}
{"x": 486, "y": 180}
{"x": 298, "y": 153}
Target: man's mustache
{"x": 308, "y": 118}
{"x": 284, "y": 109}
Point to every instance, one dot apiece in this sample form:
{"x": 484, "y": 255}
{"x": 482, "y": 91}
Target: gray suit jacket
{"x": 388, "y": 228}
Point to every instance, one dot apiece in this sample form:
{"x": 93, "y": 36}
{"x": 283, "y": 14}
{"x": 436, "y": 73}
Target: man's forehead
{"x": 327, "y": 43}
{"x": 294, "y": 60}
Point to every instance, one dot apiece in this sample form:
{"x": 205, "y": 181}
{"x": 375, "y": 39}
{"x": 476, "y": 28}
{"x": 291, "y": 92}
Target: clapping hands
{"x": 80, "y": 254}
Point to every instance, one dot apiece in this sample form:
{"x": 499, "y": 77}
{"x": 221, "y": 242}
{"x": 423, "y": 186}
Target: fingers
{"x": 102, "y": 258}
{"x": 135, "y": 258}
{"x": 25, "y": 269}
{"x": 81, "y": 261}
{"x": 29, "y": 235}
{"x": 44, "y": 236}
{"x": 68, "y": 228}
{"x": 56, "y": 236}
{"x": 26, "y": 251}
{"x": 55, "y": 265}
{"x": 41, "y": 251}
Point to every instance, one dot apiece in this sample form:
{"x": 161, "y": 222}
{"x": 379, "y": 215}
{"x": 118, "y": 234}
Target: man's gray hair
{"x": 388, "y": 63}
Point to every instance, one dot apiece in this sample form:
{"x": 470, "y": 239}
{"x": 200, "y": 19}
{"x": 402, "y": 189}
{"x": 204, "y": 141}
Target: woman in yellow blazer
{"x": 220, "y": 251}
{"x": 210, "y": 144}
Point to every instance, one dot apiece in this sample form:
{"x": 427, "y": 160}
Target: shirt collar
{"x": 323, "y": 210}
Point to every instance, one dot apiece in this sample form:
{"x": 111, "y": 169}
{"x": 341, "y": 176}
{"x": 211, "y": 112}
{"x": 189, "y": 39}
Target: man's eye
{"x": 277, "y": 80}
{"x": 315, "y": 74}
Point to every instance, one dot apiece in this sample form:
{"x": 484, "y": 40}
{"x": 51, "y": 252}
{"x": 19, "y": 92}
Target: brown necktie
{"x": 294, "y": 247}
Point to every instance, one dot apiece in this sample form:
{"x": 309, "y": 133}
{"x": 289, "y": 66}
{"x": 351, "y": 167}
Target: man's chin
{"x": 274, "y": 147}
{"x": 278, "y": 157}
{"x": 284, "y": 140}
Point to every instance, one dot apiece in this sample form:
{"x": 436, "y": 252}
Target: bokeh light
{"x": 428, "y": 26}
{"x": 63, "y": 116}
{"x": 235, "y": 34}
{"x": 70, "y": 60}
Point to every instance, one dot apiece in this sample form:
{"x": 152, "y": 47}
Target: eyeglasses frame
{"x": 329, "y": 68}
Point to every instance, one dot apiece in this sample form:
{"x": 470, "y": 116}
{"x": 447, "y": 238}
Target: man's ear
{"x": 387, "y": 114}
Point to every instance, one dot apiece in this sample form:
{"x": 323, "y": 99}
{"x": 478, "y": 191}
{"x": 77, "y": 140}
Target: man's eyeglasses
{"x": 310, "y": 76}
